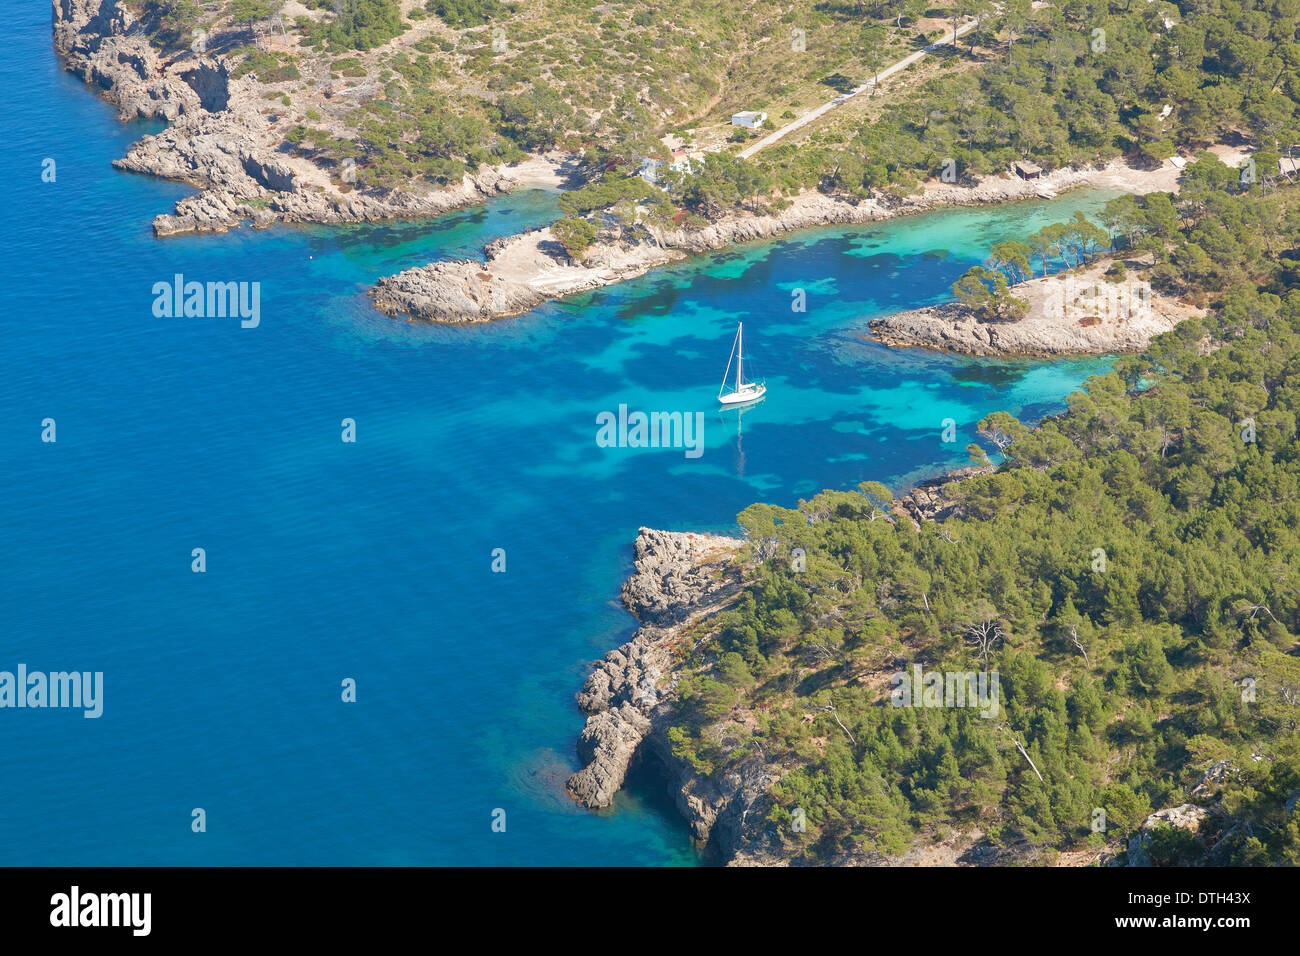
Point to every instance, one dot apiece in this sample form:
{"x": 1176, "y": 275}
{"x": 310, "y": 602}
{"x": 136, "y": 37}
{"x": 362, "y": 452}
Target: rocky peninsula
{"x": 1075, "y": 313}
{"x": 520, "y": 272}
{"x": 227, "y": 133}
{"x": 680, "y": 579}
{"x": 681, "y": 582}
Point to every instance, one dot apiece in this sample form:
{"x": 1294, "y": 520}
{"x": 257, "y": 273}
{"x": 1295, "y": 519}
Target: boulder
{"x": 1187, "y": 817}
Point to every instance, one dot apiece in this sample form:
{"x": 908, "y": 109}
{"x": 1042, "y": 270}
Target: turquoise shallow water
{"x": 372, "y": 561}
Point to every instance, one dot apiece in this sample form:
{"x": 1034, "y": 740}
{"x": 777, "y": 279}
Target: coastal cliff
{"x": 227, "y": 135}
{"x": 681, "y": 580}
{"x": 680, "y": 583}
{"x": 633, "y": 699}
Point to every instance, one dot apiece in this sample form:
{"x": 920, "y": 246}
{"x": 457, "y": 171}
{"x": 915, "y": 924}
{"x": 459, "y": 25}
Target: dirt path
{"x": 825, "y": 108}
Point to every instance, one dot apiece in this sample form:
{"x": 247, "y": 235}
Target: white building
{"x": 752, "y": 119}
{"x": 650, "y": 170}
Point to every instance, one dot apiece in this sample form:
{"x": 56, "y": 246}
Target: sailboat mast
{"x": 740, "y": 353}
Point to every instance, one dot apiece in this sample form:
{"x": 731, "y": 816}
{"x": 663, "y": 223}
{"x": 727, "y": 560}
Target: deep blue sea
{"x": 372, "y": 560}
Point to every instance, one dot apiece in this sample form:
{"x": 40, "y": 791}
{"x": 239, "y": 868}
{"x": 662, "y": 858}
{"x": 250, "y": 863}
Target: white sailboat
{"x": 744, "y": 392}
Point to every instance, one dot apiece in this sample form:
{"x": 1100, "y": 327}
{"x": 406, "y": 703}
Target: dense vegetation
{"x": 1131, "y": 569}
{"x": 1075, "y": 82}
{"x": 1066, "y": 83}
{"x": 356, "y": 24}
{"x": 465, "y": 13}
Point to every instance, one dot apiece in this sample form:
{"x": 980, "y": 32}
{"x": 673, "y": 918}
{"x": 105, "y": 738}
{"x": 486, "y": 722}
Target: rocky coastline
{"x": 227, "y": 140}
{"x": 681, "y": 580}
{"x": 629, "y": 697}
{"x": 520, "y": 272}
{"x": 517, "y": 273}
{"x": 1083, "y": 311}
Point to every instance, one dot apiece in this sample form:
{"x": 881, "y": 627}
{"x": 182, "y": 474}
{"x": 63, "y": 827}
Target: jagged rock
{"x": 674, "y": 575}
{"x": 607, "y": 745}
{"x": 205, "y": 212}
{"x": 954, "y": 328}
{"x": 452, "y": 292}
{"x": 930, "y": 500}
{"x": 99, "y": 40}
{"x": 211, "y": 83}
{"x": 1187, "y": 817}
{"x": 1212, "y": 780}
{"x": 518, "y": 273}
{"x": 270, "y": 172}
{"x": 220, "y": 142}
{"x": 623, "y": 696}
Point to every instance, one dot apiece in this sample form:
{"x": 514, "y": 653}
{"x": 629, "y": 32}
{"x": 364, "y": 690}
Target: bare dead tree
{"x": 1254, "y": 610}
{"x": 824, "y": 651}
{"x": 1078, "y": 643}
{"x": 835, "y": 716}
{"x": 1023, "y": 752}
{"x": 848, "y": 583}
{"x": 983, "y": 636}
{"x": 883, "y": 597}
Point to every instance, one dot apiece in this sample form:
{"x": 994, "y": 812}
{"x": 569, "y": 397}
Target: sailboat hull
{"x": 746, "y": 394}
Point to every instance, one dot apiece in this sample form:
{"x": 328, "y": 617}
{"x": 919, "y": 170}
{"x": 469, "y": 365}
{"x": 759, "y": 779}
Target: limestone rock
{"x": 1187, "y": 817}
{"x": 221, "y": 143}
{"x": 518, "y": 273}
{"x": 674, "y": 574}
{"x": 626, "y": 695}
{"x": 1212, "y": 780}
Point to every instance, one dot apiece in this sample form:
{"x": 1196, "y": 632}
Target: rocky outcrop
{"x": 675, "y": 574}
{"x": 103, "y": 42}
{"x": 227, "y": 141}
{"x": 1187, "y": 817}
{"x": 468, "y": 295}
{"x": 680, "y": 577}
{"x": 954, "y": 328}
{"x": 211, "y": 83}
{"x": 461, "y": 291}
{"x": 1213, "y": 779}
{"x": 270, "y": 173}
{"x": 517, "y": 273}
{"x": 1087, "y": 310}
{"x": 932, "y": 500}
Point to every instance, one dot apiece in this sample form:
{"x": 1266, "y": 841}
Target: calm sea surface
{"x": 372, "y": 560}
